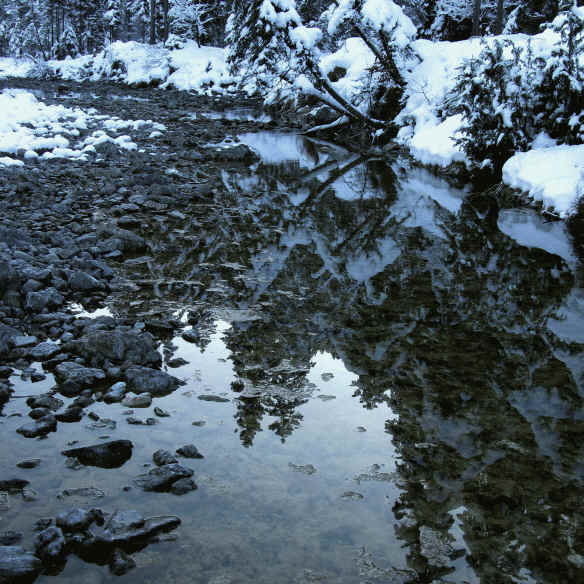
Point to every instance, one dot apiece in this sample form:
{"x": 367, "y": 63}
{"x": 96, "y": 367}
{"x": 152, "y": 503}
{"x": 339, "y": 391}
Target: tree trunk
{"x": 124, "y": 20}
{"x": 476, "y": 18}
{"x": 500, "y": 19}
{"x": 152, "y": 22}
{"x": 165, "y": 19}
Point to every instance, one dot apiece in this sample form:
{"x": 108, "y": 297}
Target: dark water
{"x": 408, "y": 396}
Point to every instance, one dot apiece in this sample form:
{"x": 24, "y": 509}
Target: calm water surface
{"x": 403, "y": 364}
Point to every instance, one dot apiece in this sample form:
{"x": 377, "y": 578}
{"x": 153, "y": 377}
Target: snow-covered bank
{"x": 190, "y": 68}
{"x": 30, "y": 129}
{"x": 553, "y": 175}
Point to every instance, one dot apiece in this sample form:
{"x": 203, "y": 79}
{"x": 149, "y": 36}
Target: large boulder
{"x": 7, "y": 336}
{"x": 118, "y": 346}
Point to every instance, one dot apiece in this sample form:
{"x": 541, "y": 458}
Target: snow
{"x": 305, "y": 38}
{"x": 10, "y": 67}
{"x": 434, "y": 144}
{"x": 428, "y": 84}
{"x": 198, "y": 68}
{"x": 384, "y": 15}
{"x": 31, "y": 129}
{"x": 553, "y": 175}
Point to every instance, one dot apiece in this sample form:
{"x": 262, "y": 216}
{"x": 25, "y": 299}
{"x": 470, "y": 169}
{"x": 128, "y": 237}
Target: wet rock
{"x": 7, "y": 335}
{"x": 73, "y": 377}
{"x": 162, "y": 457}
{"x": 10, "y": 538}
{"x": 23, "y": 341}
{"x": 38, "y": 413}
{"x": 115, "y": 393}
{"x": 123, "y": 240}
{"x": 107, "y": 455}
{"x": 79, "y": 519}
{"x": 29, "y": 463}
{"x": 213, "y": 398}
{"x": 127, "y": 527}
{"x": 162, "y": 478}
{"x": 83, "y": 282}
{"x": 13, "y": 485}
{"x": 177, "y": 362}
{"x": 70, "y": 415}
{"x": 183, "y": 486}
{"x": 199, "y": 423}
{"x": 133, "y": 400}
{"x": 45, "y": 401}
{"x": 50, "y": 544}
{"x": 40, "y": 427}
{"x": 121, "y": 563}
{"x": 5, "y": 371}
{"x": 16, "y": 565}
{"x": 157, "y": 383}
{"x": 189, "y": 451}
{"x": 307, "y": 469}
{"x": 239, "y": 153}
{"x": 48, "y": 298}
{"x": 118, "y": 346}
{"x": 44, "y": 351}
{"x": 161, "y": 413}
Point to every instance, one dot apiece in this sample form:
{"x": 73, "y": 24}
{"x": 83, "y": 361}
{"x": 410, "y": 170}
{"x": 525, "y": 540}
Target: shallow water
{"x": 408, "y": 374}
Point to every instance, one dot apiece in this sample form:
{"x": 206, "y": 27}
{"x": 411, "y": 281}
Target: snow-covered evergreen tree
{"x": 189, "y": 19}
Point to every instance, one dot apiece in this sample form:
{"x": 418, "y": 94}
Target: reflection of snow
{"x": 529, "y": 229}
{"x": 567, "y": 323}
{"x": 367, "y": 264}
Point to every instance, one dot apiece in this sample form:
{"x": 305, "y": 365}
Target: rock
{"x": 213, "y": 398}
{"x": 161, "y": 413}
{"x": 5, "y": 371}
{"x": 118, "y": 346}
{"x": 307, "y": 469}
{"x": 107, "y": 455}
{"x": 48, "y": 298}
{"x": 83, "y": 282}
{"x": 162, "y": 478}
{"x": 49, "y": 545}
{"x": 73, "y": 377}
{"x": 70, "y": 415}
{"x": 10, "y": 538}
{"x": 121, "y": 563}
{"x": 37, "y": 413}
{"x": 141, "y": 400}
{"x": 239, "y": 153}
{"x": 157, "y": 383}
{"x": 29, "y": 463}
{"x": 13, "y": 485}
{"x": 79, "y": 519}
{"x": 162, "y": 457}
{"x": 41, "y": 427}
{"x": 177, "y": 362}
{"x": 7, "y": 335}
{"x": 183, "y": 486}
{"x": 23, "y": 341}
{"x": 45, "y": 401}
{"x": 115, "y": 393}
{"x": 189, "y": 451}
{"x": 16, "y": 565}
{"x": 44, "y": 351}
{"x": 126, "y": 527}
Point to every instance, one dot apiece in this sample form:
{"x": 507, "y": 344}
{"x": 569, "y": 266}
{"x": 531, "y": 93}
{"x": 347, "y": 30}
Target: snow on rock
{"x": 10, "y": 67}
{"x": 190, "y": 68}
{"x": 198, "y": 68}
{"x": 434, "y": 144}
{"x": 31, "y": 129}
{"x": 553, "y": 175}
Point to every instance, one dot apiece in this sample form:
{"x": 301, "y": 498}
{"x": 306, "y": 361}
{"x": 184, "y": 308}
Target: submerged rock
{"x": 189, "y": 451}
{"x": 50, "y": 544}
{"x": 40, "y": 427}
{"x": 17, "y": 565}
{"x": 79, "y": 519}
{"x": 107, "y": 455}
{"x": 126, "y": 527}
{"x": 162, "y": 478}
{"x": 133, "y": 400}
{"x": 162, "y": 457}
{"x": 121, "y": 562}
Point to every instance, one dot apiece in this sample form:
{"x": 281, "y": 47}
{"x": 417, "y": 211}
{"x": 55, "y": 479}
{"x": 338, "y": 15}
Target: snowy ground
{"x": 31, "y": 129}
